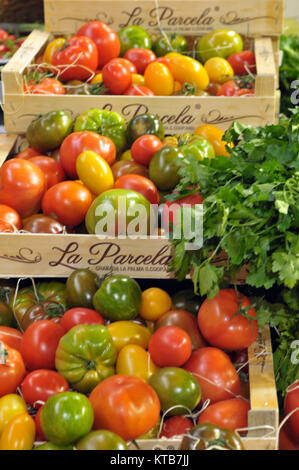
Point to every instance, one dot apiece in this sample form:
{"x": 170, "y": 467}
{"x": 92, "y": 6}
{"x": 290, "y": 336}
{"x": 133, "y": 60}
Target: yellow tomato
{"x": 137, "y": 79}
{"x": 19, "y": 433}
{"x": 171, "y": 55}
{"x": 185, "y": 69}
{"x": 94, "y": 172}
{"x": 127, "y": 155}
{"x": 177, "y": 86}
{"x": 98, "y": 78}
{"x": 51, "y": 48}
{"x": 219, "y": 70}
{"x": 158, "y": 78}
{"x": 214, "y": 135}
{"x": 135, "y": 360}
{"x": 127, "y": 332}
{"x": 10, "y": 405}
{"x": 155, "y": 302}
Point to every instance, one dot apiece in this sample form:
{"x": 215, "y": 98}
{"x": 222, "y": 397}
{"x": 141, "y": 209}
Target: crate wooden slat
{"x": 254, "y": 18}
{"x": 178, "y": 113}
{"x": 263, "y": 401}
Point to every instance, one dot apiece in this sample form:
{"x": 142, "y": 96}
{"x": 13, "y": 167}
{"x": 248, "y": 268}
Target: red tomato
{"x": 12, "y": 369}
{"x": 3, "y": 49}
{"x": 144, "y": 148}
{"x": 215, "y": 374}
{"x": 140, "y": 58}
{"x": 3, "y": 34}
{"x": 68, "y": 202}
{"x": 243, "y": 63}
{"x": 176, "y": 426}
{"x": 221, "y": 327}
{"x": 41, "y": 384}
{"x": 130, "y": 66}
{"x": 11, "y": 336}
{"x": 285, "y": 440}
{"x": 80, "y": 316}
{"x": 184, "y": 320}
{"x": 170, "y": 346}
{"x": 291, "y": 403}
{"x": 163, "y": 60}
{"x": 245, "y": 92}
{"x": 171, "y": 214}
{"x": 28, "y": 153}
{"x": 228, "y": 88}
{"x": 141, "y": 184}
{"x": 10, "y": 217}
{"x": 104, "y": 37}
{"x": 240, "y": 360}
{"x": 231, "y": 414}
{"x": 78, "y": 142}
{"x": 52, "y": 170}
{"x": 116, "y": 76}
{"x": 47, "y": 86}
{"x": 126, "y": 405}
{"x": 39, "y": 432}
{"x": 22, "y": 186}
{"x": 39, "y": 344}
{"x": 139, "y": 90}
{"x": 77, "y": 59}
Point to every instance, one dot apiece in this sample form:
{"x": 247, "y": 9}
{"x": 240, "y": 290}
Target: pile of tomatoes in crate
{"x": 73, "y": 167}
{"x": 95, "y": 363}
{"x": 9, "y": 44}
{"x": 98, "y": 60}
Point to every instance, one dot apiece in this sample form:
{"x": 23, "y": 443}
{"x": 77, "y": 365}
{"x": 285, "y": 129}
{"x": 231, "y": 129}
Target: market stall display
{"x": 166, "y": 333}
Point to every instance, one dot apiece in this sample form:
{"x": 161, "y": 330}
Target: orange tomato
{"x": 219, "y": 69}
{"x": 214, "y": 135}
{"x": 158, "y": 78}
{"x": 126, "y": 405}
{"x": 12, "y": 369}
{"x": 51, "y": 48}
{"x": 155, "y": 302}
{"x": 19, "y": 433}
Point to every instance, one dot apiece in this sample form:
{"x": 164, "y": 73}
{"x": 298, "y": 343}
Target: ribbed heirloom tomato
{"x": 76, "y": 59}
{"x": 126, "y": 405}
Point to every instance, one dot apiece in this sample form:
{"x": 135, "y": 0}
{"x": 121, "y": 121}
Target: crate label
{"x": 61, "y": 254}
{"x": 156, "y": 16}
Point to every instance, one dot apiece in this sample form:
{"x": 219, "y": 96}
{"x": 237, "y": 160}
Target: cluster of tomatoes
{"x": 9, "y": 43}
{"x": 73, "y": 167}
{"x": 98, "y": 60}
{"x": 95, "y": 363}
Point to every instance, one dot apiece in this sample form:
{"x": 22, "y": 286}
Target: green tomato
{"x": 144, "y": 124}
{"x": 81, "y": 286}
{"x": 101, "y": 440}
{"x": 176, "y": 388}
{"x": 107, "y": 123}
{"x": 28, "y": 297}
{"x": 6, "y": 313}
{"x": 170, "y": 43}
{"x": 164, "y": 167}
{"x": 119, "y": 211}
{"x": 85, "y": 356}
{"x": 218, "y": 43}
{"x": 118, "y": 298}
{"x": 133, "y": 36}
{"x": 51, "y": 446}
{"x": 66, "y": 417}
{"x": 46, "y": 132}
{"x": 199, "y": 148}
{"x": 187, "y": 300}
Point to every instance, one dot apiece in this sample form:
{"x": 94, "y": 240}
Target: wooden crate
{"x": 40, "y": 255}
{"x": 254, "y": 18}
{"x": 263, "y": 416}
{"x": 178, "y": 113}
